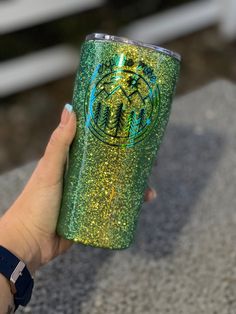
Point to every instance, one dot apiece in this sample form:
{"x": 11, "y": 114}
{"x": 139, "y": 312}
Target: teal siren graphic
{"x": 122, "y": 106}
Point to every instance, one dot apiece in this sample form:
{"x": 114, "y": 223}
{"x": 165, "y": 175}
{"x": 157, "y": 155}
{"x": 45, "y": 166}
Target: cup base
{"x": 89, "y": 242}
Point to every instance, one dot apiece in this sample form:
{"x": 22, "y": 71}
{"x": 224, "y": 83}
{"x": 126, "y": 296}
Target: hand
{"x": 28, "y": 227}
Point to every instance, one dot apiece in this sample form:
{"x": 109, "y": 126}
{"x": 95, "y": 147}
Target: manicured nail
{"x": 68, "y": 107}
{"x": 65, "y": 117}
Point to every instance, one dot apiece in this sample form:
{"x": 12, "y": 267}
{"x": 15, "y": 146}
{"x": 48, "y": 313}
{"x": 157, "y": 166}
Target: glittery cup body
{"x": 122, "y": 100}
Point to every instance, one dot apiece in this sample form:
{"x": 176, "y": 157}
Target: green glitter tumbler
{"x": 122, "y": 100}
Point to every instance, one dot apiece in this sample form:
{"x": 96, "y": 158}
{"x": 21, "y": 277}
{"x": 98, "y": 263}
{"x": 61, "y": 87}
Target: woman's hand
{"x": 28, "y": 228}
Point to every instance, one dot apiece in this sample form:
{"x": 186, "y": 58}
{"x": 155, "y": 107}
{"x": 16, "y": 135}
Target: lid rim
{"x": 102, "y": 36}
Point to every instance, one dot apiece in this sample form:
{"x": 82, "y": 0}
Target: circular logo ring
{"x": 121, "y": 108}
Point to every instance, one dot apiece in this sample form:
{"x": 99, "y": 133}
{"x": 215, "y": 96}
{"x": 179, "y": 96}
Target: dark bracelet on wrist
{"x": 19, "y": 277}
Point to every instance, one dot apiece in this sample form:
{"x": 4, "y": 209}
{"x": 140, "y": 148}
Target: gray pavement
{"x": 184, "y": 257}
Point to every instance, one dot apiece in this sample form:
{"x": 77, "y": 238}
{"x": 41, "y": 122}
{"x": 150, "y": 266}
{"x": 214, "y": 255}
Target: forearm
{"x": 13, "y": 240}
{"x": 6, "y": 298}
{"x": 16, "y": 240}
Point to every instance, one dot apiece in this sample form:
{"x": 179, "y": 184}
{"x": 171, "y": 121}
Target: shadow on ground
{"x": 185, "y": 164}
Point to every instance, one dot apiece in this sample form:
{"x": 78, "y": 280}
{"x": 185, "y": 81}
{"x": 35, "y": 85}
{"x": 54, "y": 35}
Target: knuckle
{"x": 55, "y": 137}
{"x": 59, "y": 137}
{"x": 39, "y": 176}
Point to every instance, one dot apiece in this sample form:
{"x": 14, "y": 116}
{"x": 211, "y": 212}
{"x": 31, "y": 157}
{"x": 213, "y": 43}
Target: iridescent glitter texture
{"x": 122, "y": 99}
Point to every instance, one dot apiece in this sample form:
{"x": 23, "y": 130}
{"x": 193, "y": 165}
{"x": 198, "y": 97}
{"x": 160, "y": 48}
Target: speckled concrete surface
{"x": 184, "y": 257}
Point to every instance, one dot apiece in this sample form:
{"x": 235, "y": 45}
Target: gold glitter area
{"x": 122, "y": 100}
{"x": 112, "y": 194}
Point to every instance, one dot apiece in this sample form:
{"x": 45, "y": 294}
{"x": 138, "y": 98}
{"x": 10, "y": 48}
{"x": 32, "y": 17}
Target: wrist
{"x": 15, "y": 239}
{"x": 20, "y": 280}
{"x": 6, "y": 296}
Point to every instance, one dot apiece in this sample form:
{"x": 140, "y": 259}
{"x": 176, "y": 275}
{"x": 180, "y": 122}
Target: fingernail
{"x": 65, "y": 117}
{"x": 68, "y": 107}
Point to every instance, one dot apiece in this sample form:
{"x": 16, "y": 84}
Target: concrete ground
{"x": 184, "y": 257}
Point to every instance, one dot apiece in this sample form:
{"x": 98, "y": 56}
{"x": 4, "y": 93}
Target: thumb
{"x": 50, "y": 168}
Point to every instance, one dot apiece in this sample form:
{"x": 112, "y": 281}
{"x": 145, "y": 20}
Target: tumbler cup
{"x": 122, "y": 99}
